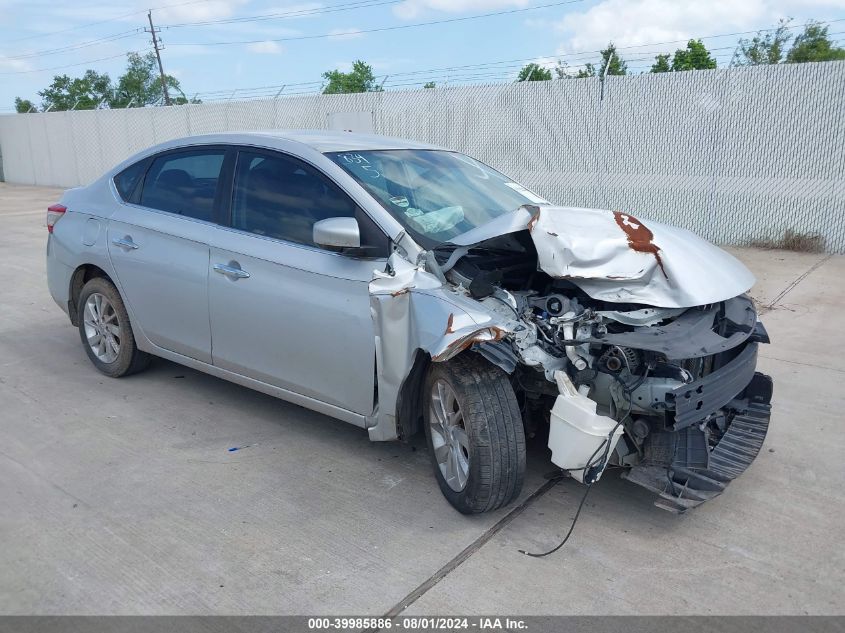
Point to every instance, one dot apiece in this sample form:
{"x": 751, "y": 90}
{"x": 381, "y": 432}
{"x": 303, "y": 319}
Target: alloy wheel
{"x": 448, "y": 436}
{"x": 102, "y": 328}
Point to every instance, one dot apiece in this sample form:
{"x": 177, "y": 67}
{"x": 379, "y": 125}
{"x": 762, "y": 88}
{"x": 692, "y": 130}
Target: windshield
{"x": 436, "y": 195}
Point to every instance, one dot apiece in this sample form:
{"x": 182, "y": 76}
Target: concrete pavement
{"x": 122, "y": 496}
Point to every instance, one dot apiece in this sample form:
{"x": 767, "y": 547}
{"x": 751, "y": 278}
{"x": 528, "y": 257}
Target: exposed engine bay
{"x": 669, "y": 381}
{"x": 670, "y": 393}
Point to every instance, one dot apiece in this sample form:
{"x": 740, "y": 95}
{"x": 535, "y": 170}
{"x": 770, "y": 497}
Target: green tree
{"x": 662, "y": 63}
{"x": 534, "y": 72}
{"x": 767, "y": 47}
{"x": 610, "y": 60}
{"x": 429, "y": 84}
{"x": 140, "y": 85}
{"x": 694, "y": 57}
{"x": 814, "y": 45}
{"x": 86, "y": 92}
{"x": 563, "y": 72}
{"x": 24, "y": 105}
{"x": 359, "y": 79}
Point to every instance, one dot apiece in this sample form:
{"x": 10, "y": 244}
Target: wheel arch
{"x": 83, "y": 274}
{"x": 410, "y": 401}
{"x": 409, "y": 405}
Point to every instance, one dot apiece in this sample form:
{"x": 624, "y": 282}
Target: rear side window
{"x": 281, "y": 197}
{"x": 184, "y": 183}
{"x": 127, "y": 180}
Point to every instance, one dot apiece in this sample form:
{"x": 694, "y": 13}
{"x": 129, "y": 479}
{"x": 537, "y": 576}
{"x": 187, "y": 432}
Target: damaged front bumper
{"x": 686, "y": 464}
{"x": 636, "y": 363}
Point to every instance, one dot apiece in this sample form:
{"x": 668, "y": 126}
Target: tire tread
{"x": 130, "y": 359}
{"x": 490, "y": 408}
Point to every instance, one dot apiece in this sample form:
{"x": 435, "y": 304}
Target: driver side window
{"x": 281, "y": 197}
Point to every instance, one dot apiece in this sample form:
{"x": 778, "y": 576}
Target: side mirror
{"x": 337, "y": 233}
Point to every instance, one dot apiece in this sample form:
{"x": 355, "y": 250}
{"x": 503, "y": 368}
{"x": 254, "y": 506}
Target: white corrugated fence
{"x": 736, "y": 155}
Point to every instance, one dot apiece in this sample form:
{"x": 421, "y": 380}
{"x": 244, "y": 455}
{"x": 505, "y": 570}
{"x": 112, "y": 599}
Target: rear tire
{"x": 105, "y": 330}
{"x": 479, "y": 453}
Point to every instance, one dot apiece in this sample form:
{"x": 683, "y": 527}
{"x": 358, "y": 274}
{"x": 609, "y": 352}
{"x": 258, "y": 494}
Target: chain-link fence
{"x": 736, "y": 155}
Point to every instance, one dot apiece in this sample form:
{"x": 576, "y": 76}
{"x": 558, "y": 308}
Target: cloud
{"x": 13, "y": 65}
{"x": 345, "y": 34}
{"x": 638, "y": 22}
{"x": 412, "y": 8}
{"x": 266, "y": 47}
{"x": 642, "y": 24}
{"x": 198, "y": 11}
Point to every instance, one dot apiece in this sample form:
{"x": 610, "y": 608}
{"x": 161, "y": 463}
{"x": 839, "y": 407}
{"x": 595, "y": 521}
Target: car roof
{"x": 320, "y": 140}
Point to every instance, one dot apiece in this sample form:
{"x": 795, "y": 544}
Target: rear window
{"x": 126, "y": 181}
{"x": 184, "y": 183}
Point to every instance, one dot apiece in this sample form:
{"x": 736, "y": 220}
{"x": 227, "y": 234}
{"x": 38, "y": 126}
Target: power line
{"x": 124, "y": 34}
{"x": 90, "y": 61}
{"x": 114, "y": 19}
{"x": 565, "y": 57}
{"x": 384, "y": 28}
{"x": 72, "y": 47}
{"x": 456, "y": 72}
{"x": 556, "y": 57}
{"x": 474, "y": 17}
{"x": 360, "y": 4}
{"x": 710, "y": 37}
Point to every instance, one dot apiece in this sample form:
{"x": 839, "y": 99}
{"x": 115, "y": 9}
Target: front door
{"x": 283, "y": 310}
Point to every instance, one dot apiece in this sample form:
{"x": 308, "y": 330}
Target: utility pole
{"x": 604, "y": 74}
{"x": 153, "y": 31}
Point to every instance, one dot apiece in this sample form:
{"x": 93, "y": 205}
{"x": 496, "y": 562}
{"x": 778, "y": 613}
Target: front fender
{"x": 412, "y": 310}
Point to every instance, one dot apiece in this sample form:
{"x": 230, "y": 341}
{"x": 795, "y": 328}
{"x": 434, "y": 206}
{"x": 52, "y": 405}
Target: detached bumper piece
{"x": 683, "y": 466}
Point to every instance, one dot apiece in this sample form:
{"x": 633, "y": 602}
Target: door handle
{"x": 125, "y": 242}
{"x": 233, "y": 272}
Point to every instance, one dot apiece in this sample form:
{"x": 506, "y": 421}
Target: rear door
{"x": 158, "y": 243}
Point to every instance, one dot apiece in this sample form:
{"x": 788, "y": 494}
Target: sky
{"x": 222, "y": 49}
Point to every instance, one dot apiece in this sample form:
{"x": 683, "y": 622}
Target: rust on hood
{"x": 639, "y": 237}
{"x": 450, "y": 323}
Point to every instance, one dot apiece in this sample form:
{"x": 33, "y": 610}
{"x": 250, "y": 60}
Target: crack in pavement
{"x": 791, "y": 286}
{"x": 798, "y": 362}
{"x": 465, "y": 553}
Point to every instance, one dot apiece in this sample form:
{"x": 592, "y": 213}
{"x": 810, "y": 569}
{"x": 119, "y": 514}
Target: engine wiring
{"x": 568, "y": 534}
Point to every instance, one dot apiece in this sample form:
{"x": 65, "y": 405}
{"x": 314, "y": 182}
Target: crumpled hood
{"x": 613, "y": 256}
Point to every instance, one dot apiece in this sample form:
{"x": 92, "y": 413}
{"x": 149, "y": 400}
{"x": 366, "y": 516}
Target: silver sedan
{"x": 403, "y": 287}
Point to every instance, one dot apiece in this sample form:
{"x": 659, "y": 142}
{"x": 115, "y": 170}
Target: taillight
{"x": 54, "y": 214}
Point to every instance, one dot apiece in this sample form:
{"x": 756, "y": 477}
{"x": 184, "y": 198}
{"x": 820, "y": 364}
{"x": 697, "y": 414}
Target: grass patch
{"x": 793, "y": 241}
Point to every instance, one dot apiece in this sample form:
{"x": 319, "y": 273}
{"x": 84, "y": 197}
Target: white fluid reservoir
{"x": 577, "y": 433}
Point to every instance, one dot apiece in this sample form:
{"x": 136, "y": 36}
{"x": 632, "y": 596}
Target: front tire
{"x": 474, "y": 433}
{"x": 106, "y": 332}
